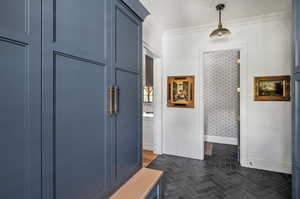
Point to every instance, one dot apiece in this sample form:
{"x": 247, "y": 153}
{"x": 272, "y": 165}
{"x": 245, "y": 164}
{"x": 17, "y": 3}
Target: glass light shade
{"x": 220, "y": 32}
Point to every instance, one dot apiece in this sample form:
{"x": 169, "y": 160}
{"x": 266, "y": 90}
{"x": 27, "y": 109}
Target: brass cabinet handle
{"x": 110, "y": 101}
{"x": 113, "y": 100}
{"x": 296, "y": 53}
{"x": 116, "y": 99}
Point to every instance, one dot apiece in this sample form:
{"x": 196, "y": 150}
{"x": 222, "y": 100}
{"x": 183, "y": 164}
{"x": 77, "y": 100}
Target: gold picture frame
{"x": 272, "y": 88}
{"x": 181, "y": 91}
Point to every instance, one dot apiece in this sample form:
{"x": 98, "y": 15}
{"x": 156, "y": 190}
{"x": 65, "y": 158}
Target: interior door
{"x": 20, "y": 99}
{"x": 127, "y": 76}
{"x": 76, "y": 79}
{"x": 296, "y": 103}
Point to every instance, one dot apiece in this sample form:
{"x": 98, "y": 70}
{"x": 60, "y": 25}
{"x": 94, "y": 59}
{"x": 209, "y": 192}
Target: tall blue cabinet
{"x": 296, "y": 100}
{"x": 70, "y": 87}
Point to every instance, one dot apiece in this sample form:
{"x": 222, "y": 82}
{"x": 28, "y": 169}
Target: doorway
{"x": 221, "y": 88}
{"x": 152, "y": 123}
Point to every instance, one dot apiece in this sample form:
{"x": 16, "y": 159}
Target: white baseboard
{"x": 281, "y": 167}
{"x": 221, "y": 140}
{"x": 147, "y": 146}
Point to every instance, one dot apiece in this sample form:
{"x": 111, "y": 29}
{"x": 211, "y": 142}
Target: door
{"x": 20, "y": 91}
{"x": 296, "y": 103}
{"x": 127, "y": 57}
{"x": 76, "y": 71}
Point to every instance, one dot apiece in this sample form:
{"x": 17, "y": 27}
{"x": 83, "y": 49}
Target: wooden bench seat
{"x": 140, "y": 185}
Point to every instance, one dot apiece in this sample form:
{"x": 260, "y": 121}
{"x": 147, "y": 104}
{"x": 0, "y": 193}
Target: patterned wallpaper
{"x": 221, "y": 98}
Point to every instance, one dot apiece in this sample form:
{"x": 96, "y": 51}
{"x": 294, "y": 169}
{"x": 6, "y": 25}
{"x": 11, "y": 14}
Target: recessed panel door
{"x": 296, "y": 101}
{"x": 20, "y": 99}
{"x": 76, "y": 79}
{"x": 127, "y": 76}
{"x": 296, "y": 24}
{"x": 296, "y": 137}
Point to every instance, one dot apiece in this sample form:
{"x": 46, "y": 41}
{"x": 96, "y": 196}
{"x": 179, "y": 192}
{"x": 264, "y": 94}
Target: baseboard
{"x": 280, "y": 167}
{"x": 147, "y": 146}
{"x": 221, "y": 140}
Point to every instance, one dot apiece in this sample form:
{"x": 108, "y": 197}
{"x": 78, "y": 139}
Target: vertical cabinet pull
{"x": 296, "y": 53}
{"x": 116, "y": 99}
{"x": 113, "y": 98}
{"x": 110, "y": 101}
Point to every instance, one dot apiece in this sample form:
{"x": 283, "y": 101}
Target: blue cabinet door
{"x": 20, "y": 99}
{"x": 76, "y": 77}
{"x": 296, "y": 24}
{"x": 296, "y": 137}
{"x": 127, "y": 147}
{"x": 296, "y": 102}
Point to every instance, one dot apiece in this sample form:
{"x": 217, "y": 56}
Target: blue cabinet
{"x": 126, "y": 62}
{"x": 20, "y": 99}
{"x": 57, "y": 138}
{"x": 296, "y": 102}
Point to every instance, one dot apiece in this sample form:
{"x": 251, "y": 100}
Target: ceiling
{"x": 172, "y": 14}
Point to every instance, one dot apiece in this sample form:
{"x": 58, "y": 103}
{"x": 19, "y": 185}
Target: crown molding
{"x": 152, "y": 51}
{"x": 137, "y": 7}
{"x": 232, "y": 23}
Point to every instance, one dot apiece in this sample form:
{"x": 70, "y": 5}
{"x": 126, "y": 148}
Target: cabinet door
{"x": 296, "y": 102}
{"x": 296, "y": 137}
{"x": 20, "y": 94}
{"x": 76, "y": 80}
{"x": 296, "y": 7}
{"x": 127, "y": 75}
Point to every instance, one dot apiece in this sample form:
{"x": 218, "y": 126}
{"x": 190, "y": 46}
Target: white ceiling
{"x": 170, "y": 14}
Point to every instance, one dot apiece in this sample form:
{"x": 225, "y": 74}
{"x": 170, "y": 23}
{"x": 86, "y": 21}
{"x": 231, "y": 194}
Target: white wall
{"x": 148, "y": 133}
{"x": 266, "y": 141}
{"x": 152, "y": 35}
{"x": 152, "y": 42}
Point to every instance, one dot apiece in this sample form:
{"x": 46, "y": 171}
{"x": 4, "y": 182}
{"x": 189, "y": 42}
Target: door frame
{"x": 242, "y": 46}
{"x": 157, "y": 98}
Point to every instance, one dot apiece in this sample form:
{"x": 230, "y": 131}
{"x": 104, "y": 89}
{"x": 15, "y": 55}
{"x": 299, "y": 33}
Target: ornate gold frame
{"x": 286, "y": 88}
{"x": 184, "y": 103}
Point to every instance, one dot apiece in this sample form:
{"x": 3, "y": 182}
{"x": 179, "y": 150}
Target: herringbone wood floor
{"x": 219, "y": 177}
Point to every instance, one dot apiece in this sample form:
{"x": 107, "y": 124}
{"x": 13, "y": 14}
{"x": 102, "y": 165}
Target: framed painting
{"x": 272, "y": 88}
{"x": 181, "y": 91}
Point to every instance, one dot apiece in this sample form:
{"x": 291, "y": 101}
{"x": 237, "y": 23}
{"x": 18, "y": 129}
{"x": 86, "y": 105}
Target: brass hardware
{"x": 113, "y": 107}
{"x": 238, "y": 118}
{"x": 110, "y": 101}
{"x": 116, "y": 99}
{"x": 238, "y": 90}
{"x": 296, "y": 53}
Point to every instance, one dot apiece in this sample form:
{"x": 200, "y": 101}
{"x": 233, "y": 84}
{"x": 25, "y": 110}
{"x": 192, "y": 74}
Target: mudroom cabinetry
{"x": 296, "y": 100}
{"x": 70, "y": 86}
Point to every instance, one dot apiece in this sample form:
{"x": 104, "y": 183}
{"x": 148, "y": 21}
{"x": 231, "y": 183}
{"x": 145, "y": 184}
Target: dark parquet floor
{"x": 219, "y": 177}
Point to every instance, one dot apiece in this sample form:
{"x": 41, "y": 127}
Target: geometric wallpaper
{"x": 221, "y": 98}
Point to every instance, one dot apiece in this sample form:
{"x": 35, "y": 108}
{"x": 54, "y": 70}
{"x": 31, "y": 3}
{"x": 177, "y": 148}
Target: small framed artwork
{"x": 272, "y": 88}
{"x": 181, "y": 91}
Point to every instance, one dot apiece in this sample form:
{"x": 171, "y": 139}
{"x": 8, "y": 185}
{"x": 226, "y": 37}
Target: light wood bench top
{"x": 139, "y": 186}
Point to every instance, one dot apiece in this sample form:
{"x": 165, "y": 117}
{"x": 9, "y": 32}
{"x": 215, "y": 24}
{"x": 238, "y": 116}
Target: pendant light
{"x": 220, "y": 31}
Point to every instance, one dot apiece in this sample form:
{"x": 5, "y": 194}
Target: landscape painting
{"x": 272, "y": 88}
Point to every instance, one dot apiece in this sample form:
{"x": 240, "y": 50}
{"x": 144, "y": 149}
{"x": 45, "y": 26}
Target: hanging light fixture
{"x": 220, "y": 31}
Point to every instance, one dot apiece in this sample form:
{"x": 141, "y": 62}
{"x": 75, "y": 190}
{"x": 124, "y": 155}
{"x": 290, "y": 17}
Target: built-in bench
{"x": 145, "y": 184}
